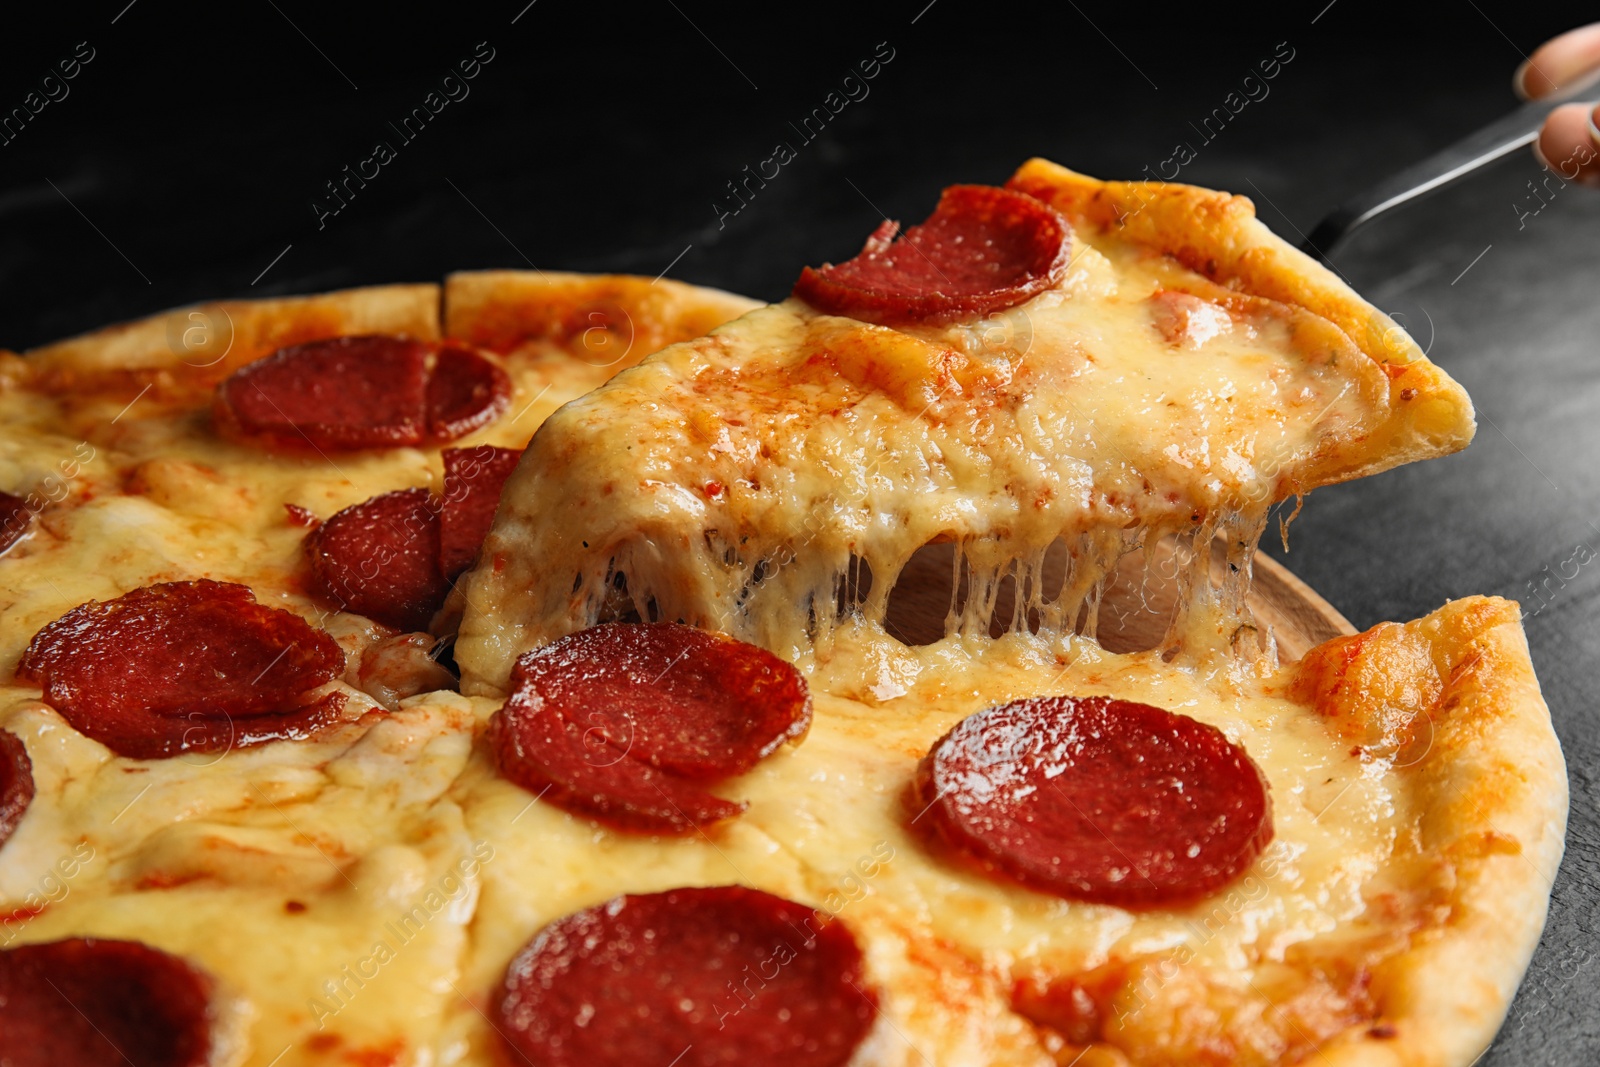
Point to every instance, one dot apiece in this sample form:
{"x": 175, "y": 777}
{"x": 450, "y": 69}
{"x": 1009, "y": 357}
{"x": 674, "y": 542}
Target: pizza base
{"x": 200, "y": 865}
{"x": 200, "y": 344}
{"x": 604, "y": 323}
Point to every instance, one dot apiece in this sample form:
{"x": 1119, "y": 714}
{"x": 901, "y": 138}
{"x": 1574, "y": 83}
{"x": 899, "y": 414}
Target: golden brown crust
{"x": 613, "y": 320}
{"x": 192, "y": 348}
{"x": 1217, "y": 235}
{"x": 1490, "y": 783}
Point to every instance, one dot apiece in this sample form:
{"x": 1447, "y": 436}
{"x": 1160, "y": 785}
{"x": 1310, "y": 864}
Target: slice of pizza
{"x": 1061, "y": 370}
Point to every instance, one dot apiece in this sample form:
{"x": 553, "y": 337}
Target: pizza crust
{"x": 1492, "y": 788}
{"x": 501, "y": 310}
{"x": 618, "y": 318}
{"x": 1218, "y": 235}
{"x": 201, "y": 344}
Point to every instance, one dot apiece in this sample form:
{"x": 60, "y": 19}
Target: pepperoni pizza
{"x": 351, "y": 721}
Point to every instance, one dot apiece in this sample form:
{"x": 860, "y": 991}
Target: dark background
{"x": 186, "y": 157}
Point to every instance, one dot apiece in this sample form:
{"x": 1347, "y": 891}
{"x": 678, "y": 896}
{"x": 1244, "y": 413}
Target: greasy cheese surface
{"x": 828, "y": 825}
{"x": 328, "y": 885}
{"x": 362, "y": 894}
{"x": 203, "y": 855}
{"x": 740, "y": 480}
{"x": 275, "y": 867}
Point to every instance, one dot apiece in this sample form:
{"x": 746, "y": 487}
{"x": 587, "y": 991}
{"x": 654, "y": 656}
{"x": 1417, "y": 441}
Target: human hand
{"x": 1569, "y": 144}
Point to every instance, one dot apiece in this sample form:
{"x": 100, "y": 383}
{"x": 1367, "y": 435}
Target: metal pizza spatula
{"x": 1499, "y": 138}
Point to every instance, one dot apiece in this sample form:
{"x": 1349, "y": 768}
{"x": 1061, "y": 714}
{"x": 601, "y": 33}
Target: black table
{"x": 187, "y": 159}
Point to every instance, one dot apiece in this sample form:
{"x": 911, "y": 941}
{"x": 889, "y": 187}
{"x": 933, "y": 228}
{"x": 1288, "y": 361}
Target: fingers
{"x": 1557, "y": 62}
{"x": 1569, "y": 144}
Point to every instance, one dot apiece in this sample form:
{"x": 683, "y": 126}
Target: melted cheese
{"x": 327, "y": 883}
{"x": 743, "y": 481}
{"x": 828, "y": 825}
{"x": 202, "y": 856}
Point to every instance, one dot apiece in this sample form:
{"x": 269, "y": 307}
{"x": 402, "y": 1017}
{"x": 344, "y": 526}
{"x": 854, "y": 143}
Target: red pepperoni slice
{"x": 473, "y": 478}
{"x": 982, "y": 250}
{"x": 380, "y": 558}
{"x": 360, "y": 392}
{"x": 16, "y": 784}
{"x": 196, "y": 731}
{"x": 15, "y": 517}
{"x": 92, "y": 1003}
{"x": 185, "y": 667}
{"x": 1097, "y": 799}
{"x": 342, "y": 393}
{"x": 689, "y": 977}
{"x": 580, "y": 769}
{"x": 466, "y": 392}
{"x": 618, "y": 720}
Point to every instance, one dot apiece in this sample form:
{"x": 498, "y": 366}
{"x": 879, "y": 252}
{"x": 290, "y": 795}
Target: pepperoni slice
{"x": 16, "y": 783}
{"x": 465, "y": 392}
{"x": 15, "y": 517}
{"x": 580, "y": 769}
{"x": 473, "y": 478}
{"x": 360, "y": 392}
{"x": 1097, "y": 799}
{"x": 618, "y": 720}
{"x": 86, "y": 1002}
{"x": 982, "y": 250}
{"x": 196, "y": 731}
{"x": 185, "y": 667}
{"x": 342, "y": 393}
{"x": 689, "y": 977}
{"x": 380, "y": 558}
